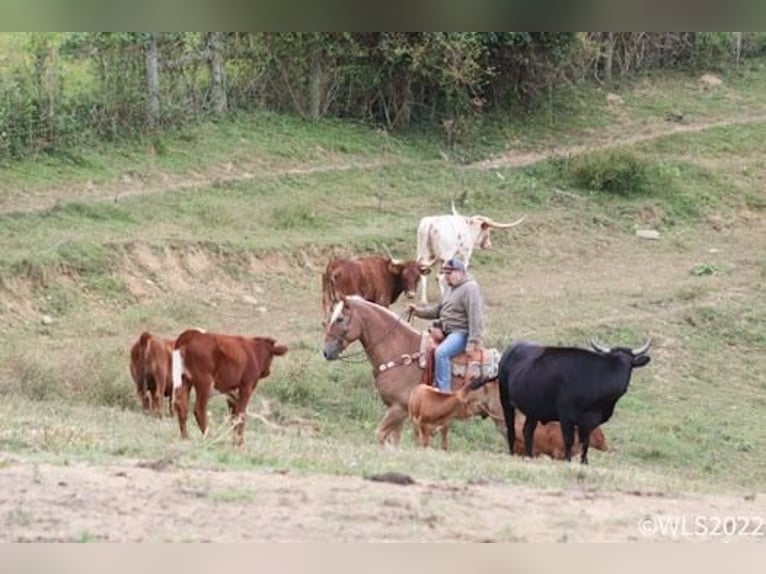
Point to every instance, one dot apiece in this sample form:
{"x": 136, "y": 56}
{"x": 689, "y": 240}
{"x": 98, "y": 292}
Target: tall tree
{"x": 152, "y": 81}
{"x": 214, "y": 41}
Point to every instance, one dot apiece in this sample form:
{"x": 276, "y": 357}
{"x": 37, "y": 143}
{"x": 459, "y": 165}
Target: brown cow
{"x": 150, "y": 369}
{"x": 375, "y": 278}
{"x": 227, "y": 364}
{"x": 548, "y": 440}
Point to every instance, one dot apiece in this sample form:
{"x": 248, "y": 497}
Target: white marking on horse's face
{"x": 336, "y": 311}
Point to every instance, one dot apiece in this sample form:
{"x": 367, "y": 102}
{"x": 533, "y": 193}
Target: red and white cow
{"x": 150, "y": 369}
{"x": 213, "y": 363}
{"x": 374, "y": 278}
{"x": 442, "y": 237}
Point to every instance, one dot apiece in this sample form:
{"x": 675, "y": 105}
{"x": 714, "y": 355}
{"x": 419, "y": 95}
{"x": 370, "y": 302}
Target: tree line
{"x": 63, "y": 89}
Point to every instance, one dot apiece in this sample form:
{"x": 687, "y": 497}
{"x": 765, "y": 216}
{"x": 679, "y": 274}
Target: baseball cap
{"x": 453, "y": 265}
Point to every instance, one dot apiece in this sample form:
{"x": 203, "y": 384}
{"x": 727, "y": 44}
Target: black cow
{"x": 574, "y": 386}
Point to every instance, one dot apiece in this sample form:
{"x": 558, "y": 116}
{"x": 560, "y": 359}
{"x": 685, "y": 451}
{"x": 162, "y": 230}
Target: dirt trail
{"x": 515, "y": 158}
{"x": 152, "y": 502}
{"x": 155, "y": 182}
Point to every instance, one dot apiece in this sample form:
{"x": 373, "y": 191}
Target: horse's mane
{"x": 381, "y": 309}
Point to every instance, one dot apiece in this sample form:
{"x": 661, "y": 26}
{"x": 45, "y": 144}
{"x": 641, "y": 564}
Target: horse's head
{"x": 340, "y": 330}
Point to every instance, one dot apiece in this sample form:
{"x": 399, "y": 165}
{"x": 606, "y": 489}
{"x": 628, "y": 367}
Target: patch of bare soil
{"x": 153, "y": 501}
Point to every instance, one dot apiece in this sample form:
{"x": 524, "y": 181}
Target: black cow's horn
{"x": 643, "y": 348}
{"x": 600, "y": 347}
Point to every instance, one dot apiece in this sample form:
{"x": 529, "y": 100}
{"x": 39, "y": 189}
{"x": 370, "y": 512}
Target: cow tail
{"x": 143, "y": 344}
{"x": 177, "y": 368}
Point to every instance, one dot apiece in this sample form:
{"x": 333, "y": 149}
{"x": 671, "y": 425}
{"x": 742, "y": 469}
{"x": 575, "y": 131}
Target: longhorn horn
{"x": 643, "y": 348}
{"x": 492, "y": 223}
{"x": 600, "y": 347}
{"x": 390, "y": 256}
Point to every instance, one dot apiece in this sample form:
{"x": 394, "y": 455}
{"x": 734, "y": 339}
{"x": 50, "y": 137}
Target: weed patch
{"x": 619, "y": 172}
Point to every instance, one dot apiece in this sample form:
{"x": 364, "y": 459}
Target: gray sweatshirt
{"x": 461, "y": 309}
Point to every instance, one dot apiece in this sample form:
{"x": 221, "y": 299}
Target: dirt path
{"x": 154, "y": 182}
{"x": 614, "y": 138}
{"x": 152, "y": 502}
{"x": 157, "y": 181}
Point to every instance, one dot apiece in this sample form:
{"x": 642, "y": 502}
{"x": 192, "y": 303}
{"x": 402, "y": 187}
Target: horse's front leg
{"x": 391, "y": 425}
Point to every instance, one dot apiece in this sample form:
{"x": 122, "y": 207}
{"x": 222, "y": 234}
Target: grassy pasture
{"x": 228, "y": 227}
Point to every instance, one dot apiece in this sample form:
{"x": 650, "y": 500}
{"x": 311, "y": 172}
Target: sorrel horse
{"x": 393, "y": 348}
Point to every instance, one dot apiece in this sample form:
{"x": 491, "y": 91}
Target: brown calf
{"x": 431, "y": 410}
{"x": 227, "y": 364}
{"x": 548, "y": 440}
{"x": 150, "y": 369}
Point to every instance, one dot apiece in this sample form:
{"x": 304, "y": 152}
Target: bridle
{"x": 344, "y": 342}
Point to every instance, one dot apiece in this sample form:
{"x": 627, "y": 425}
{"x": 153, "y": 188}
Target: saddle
{"x": 483, "y": 362}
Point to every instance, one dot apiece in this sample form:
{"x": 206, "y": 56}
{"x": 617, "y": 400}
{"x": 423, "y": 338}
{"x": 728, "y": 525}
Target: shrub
{"x": 29, "y": 378}
{"x": 616, "y": 172}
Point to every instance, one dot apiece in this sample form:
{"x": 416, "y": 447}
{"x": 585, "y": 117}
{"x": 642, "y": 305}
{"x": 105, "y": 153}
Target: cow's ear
{"x": 641, "y": 360}
{"x": 485, "y": 224}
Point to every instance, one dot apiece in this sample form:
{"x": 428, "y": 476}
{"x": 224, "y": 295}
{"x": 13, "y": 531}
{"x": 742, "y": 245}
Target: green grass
{"x": 101, "y": 435}
{"x": 244, "y": 255}
{"x": 257, "y": 143}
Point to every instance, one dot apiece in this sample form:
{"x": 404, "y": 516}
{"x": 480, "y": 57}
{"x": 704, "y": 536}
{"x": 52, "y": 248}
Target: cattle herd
{"x": 556, "y": 398}
{"x": 206, "y": 362}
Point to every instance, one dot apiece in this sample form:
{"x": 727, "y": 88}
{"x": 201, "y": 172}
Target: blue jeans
{"x": 453, "y": 345}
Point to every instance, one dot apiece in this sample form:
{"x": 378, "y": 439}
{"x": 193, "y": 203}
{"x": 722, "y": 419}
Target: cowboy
{"x": 460, "y": 315}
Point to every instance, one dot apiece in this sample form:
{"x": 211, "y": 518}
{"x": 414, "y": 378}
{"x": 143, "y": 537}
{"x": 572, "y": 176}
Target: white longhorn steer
{"x": 442, "y": 237}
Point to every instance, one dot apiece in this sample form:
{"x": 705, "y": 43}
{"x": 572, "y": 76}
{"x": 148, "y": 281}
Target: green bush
{"x": 615, "y": 172}
{"x": 100, "y": 380}
{"x": 28, "y": 378}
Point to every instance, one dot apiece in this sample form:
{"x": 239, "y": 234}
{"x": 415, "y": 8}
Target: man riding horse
{"x": 393, "y": 348}
{"x": 460, "y": 317}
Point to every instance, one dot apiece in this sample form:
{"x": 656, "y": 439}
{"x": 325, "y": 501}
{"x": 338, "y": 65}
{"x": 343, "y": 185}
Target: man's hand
{"x": 411, "y": 307}
{"x": 471, "y": 347}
